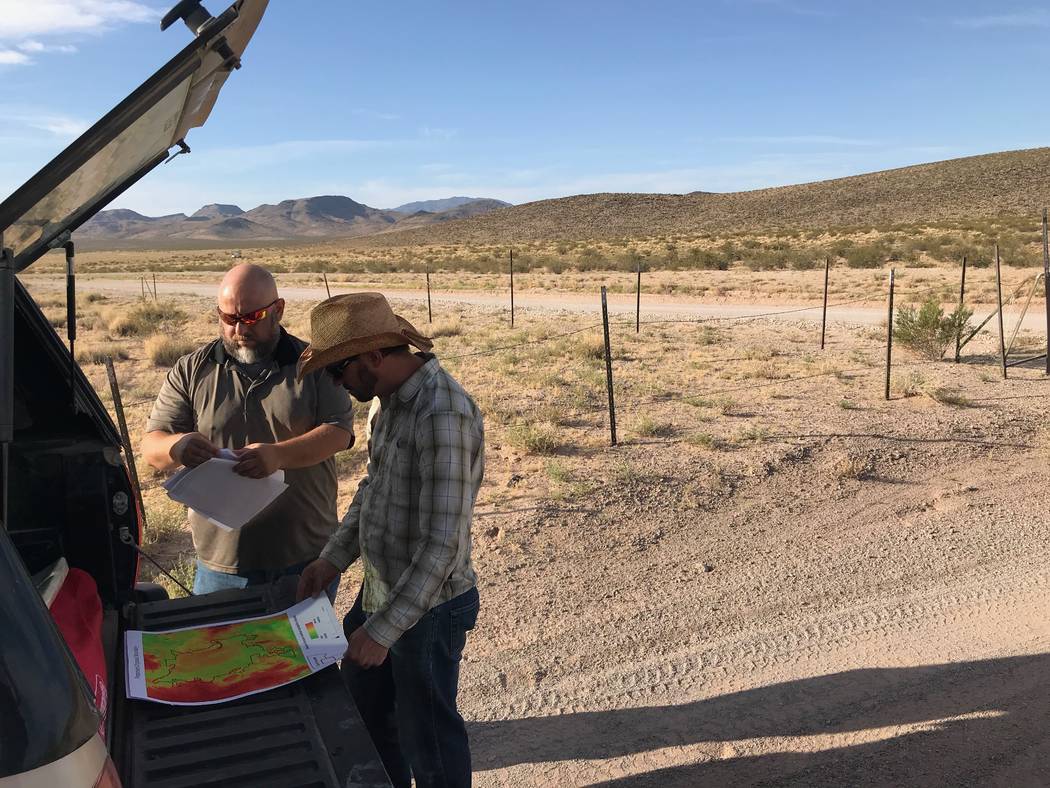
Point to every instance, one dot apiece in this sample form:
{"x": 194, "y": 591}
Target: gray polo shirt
{"x": 208, "y": 392}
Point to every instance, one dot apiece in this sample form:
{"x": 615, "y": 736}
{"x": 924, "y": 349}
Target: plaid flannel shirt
{"x": 410, "y": 518}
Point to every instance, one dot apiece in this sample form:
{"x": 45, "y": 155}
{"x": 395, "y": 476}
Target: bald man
{"x": 239, "y": 392}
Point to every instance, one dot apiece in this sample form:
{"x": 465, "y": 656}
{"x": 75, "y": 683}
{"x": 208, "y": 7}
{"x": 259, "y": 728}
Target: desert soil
{"x": 784, "y": 581}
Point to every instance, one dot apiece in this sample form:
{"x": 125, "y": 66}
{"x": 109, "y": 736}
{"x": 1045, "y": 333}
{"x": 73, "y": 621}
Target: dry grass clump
{"x": 184, "y": 570}
{"x": 97, "y": 354}
{"x": 651, "y": 428}
{"x": 854, "y": 467}
{"x": 704, "y": 440}
{"x": 164, "y": 519}
{"x": 588, "y": 346}
{"x": 946, "y": 396}
{"x": 541, "y": 438}
{"x": 452, "y": 327}
{"x": 143, "y": 319}
{"x": 164, "y": 351}
{"x": 911, "y": 384}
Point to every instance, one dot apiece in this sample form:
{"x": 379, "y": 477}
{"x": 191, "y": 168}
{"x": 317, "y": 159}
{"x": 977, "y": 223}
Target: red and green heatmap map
{"x": 224, "y": 661}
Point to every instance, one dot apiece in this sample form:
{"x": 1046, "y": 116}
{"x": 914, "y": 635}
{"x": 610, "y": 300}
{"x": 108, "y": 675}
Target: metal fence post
{"x": 638, "y": 301}
{"x": 154, "y": 287}
{"x": 889, "y": 334}
{"x": 999, "y": 296}
{"x": 962, "y": 300}
{"x": 430, "y": 312}
{"x": 327, "y": 289}
{"x": 1046, "y": 289}
{"x": 512, "y": 288}
{"x": 608, "y": 368}
{"x": 824, "y": 319}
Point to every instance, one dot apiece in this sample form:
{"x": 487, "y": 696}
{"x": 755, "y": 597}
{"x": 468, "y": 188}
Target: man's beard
{"x": 261, "y": 351}
{"x": 368, "y": 381}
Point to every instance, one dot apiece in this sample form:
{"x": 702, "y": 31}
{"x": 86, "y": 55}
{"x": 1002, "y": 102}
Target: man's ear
{"x": 372, "y": 359}
{"x": 278, "y": 310}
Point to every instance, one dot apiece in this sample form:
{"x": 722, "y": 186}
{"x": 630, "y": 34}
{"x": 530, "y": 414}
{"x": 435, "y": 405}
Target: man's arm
{"x": 446, "y": 444}
{"x": 171, "y": 438}
{"x": 166, "y": 451}
{"x": 261, "y": 459}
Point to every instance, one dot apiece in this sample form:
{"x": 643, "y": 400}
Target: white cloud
{"x": 20, "y": 19}
{"x": 67, "y": 128}
{"x": 10, "y": 57}
{"x": 1030, "y": 18}
{"x": 37, "y": 46}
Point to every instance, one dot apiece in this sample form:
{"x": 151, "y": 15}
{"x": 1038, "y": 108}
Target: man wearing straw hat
{"x": 409, "y": 522}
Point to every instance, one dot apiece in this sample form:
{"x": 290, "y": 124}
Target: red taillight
{"x": 108, "y": 778}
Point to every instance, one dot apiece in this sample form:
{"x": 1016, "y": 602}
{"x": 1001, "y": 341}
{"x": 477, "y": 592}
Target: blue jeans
{"x": 409, "y": 702}
{"x": 208, "y": 580}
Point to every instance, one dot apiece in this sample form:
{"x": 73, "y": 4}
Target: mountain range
{"x": 330, "y": 216}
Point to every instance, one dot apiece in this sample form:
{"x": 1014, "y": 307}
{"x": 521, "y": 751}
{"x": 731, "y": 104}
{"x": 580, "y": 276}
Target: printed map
{"x": 220, "y": 662}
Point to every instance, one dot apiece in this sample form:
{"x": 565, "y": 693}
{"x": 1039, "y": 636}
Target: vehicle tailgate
{"x": 308, "y": 733}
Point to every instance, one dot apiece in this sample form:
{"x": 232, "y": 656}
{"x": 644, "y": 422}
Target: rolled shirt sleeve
{"x": 446, "y": 446}
{"x": 173, "y": 411}
{"x": 333, "y": 405}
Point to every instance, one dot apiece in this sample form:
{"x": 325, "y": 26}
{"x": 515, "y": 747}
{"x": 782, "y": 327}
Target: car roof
{"x": 131, "y": 140}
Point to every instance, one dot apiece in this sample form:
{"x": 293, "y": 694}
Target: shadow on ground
{"x": 1005, "y": 741}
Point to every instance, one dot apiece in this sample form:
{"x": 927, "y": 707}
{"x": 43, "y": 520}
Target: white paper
{"x": 180, "y": 679}
{"x": 225, "y": 498}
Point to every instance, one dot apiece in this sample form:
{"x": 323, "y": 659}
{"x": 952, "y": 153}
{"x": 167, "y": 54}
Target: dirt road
{"x": 653, "y": 307}
{"x": 779, "y": 623}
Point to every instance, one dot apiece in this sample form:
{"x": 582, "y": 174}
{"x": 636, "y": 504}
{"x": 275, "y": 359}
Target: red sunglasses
{"x": 248, "y": 318}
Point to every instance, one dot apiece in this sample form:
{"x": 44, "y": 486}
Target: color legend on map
{"x": 311, "y": 630}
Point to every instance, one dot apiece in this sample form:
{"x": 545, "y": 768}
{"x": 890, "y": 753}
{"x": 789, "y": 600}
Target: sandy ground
{"x": 796, "y": 583}
{"x": 780, "y": 623}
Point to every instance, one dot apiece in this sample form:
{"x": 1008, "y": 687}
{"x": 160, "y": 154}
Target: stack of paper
{"x": 225, "y": 498}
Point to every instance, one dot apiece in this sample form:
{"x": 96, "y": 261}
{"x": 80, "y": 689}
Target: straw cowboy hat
{"x": 351, "y": 324}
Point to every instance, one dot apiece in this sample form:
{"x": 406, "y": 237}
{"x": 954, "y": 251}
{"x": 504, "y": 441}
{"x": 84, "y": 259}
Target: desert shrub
{"x": 928, "y": 330}
{"x": 184, "y": 570}
{"x": 96, "y": 354}
{"x": 706, "y": 260}
{"x": 143, "y": 319}
{"x": 867, "y": 256}
{"x": 164, "y": 351}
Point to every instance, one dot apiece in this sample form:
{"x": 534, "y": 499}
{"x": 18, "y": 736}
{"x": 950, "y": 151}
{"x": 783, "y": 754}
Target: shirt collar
{"x": 284, "y": 354}
{"x": 407, "y": 390}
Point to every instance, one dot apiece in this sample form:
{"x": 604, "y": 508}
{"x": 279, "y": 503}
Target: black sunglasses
{"x": 336, "y": 370}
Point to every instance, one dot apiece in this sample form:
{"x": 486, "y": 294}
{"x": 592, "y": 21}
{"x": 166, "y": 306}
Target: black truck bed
{"x": 308, "y": 733}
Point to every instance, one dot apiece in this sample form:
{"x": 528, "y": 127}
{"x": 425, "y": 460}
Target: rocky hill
{"x": 1016, "y": 182}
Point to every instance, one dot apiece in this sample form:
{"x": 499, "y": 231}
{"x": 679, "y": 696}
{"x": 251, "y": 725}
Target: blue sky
{"x": 392, "y": 102}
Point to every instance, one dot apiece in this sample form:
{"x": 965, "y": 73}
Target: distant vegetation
{"x": 857, "y": 246}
